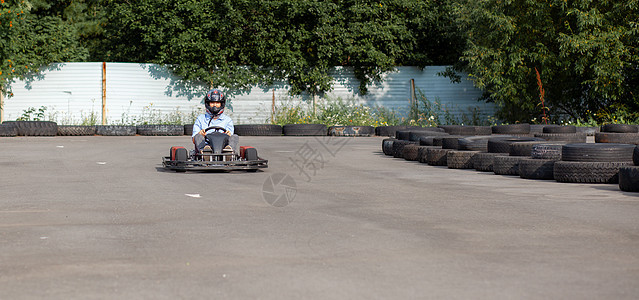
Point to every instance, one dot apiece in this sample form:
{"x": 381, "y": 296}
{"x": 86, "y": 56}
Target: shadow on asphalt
{"x": 615, "y": 188}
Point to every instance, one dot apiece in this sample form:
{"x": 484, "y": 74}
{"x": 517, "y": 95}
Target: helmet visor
{"x": 215, "y": 98}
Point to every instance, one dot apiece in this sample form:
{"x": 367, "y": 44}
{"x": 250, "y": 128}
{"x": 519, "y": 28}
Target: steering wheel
{"x": 217, "y": 128}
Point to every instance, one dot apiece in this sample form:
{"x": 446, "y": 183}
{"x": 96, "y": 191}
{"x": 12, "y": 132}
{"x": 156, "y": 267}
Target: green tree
{"x": 240, "y": 43}
{"x": 34, "y": 34}
{"x": 586, "y": 52}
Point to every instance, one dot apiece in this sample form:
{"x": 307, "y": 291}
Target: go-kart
{"x": 215, "y": 157}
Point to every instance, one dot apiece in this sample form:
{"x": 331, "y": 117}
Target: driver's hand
{"x": 228, "y": 132}
{"x": 202, "y": 132}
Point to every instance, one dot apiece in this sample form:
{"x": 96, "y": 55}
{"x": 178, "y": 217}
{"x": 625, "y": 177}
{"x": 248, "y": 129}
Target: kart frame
{"x": 214, "y": 162}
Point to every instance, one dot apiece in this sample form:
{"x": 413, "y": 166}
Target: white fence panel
{"x": 67, "y": 90}
{"x": 138, "y": 93}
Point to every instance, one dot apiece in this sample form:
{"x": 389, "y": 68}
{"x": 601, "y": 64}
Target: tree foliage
{"x": 586, "y": 52}
{"x": 239, "y": 43}
{"x": 36, "y": 33}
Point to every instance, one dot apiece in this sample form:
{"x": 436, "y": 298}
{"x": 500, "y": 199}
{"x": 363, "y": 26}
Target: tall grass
{"x": 333, "y": 112}
{"x": 432, "y": 113}
{"x": 349, "y": 112}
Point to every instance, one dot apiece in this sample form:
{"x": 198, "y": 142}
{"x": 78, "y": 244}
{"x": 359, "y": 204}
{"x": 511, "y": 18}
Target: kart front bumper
{"x": 184, "y": 165}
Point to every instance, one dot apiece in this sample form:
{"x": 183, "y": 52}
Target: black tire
{"x": 597, "y": 152}
{"x": 502, "y": 144}
{"x": 538, "y": 128}
{"x": 550, "y": 151}
{"x": 587, "y": 171}
{"x": 160, "y": 130}
{"x": 589, "y": 131}
{"x": 460, "y": 159}
{"x": 388, "y": 130}
{"x": 410, "y": 152}
{"x": 530, "y": 168}
{"x": 188, "y": 129}
{"x": 75, "y": 130}
{"x": 422, "y": 155}
{"x": 398, "y": 148}
{"x": 522, "y": 148}
{"x": 351, "y": 131}
{"x": 436, "y": 156}
{"x": 35, "y": 128}
{"x": 565, "y": 137}
{"x": 304, "y": 129}
{"x": 474, "y": 143}
{"x": 523, "y": 128}
{"x": 629, "y": 179}
{"x": 451, "y": 142}
{"x": 506, "y": 165}
{"x": 559, "y": 129}
{"x": 483, "y": 162}
{"x": 402, "y": 135}
{"x": 387, "y": 146}
{"x": 458, "y": 129}
{"x": 448, "y": 128}
{"x": 258, "y": 130}
{"x": 430, "y": 139}
{"x": 620, "y": 128}
{"x": 116, "y": 130}
{"x": 426, "y": 141}
{"x": 8, "y": 130}
{"x": 431, "y": 129}
{"x": 414, "y": 135}
{"x": 619, "y": 138}
{"x": 437, "y": 141}
{"x": 483, "y": 130}
{"x": 635, "y": 156}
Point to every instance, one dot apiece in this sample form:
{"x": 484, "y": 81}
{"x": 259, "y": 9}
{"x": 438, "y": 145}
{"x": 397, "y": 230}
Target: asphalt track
{"x": 331, "y": 218}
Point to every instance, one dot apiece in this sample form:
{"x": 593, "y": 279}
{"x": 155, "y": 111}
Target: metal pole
{"x": 314, "y": 110}
{"x": 273, "y": 108}
{"x": 413, "y": 100}
{"x": 103, "y": 93}
{"x": 1, "y": 104}
{"x": 413, "y": 97}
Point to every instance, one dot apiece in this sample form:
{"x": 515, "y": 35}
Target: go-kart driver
{"x": 214, "y": 101}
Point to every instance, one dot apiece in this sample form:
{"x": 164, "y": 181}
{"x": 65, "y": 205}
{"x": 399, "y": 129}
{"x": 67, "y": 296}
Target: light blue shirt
{"x": 204, "y": 121}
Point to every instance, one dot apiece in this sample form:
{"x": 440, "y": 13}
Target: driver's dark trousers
{"x": 200, "y": 142}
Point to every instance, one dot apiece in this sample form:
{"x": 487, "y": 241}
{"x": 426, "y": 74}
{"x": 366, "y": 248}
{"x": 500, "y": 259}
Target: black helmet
{"x": 215, "y": 95}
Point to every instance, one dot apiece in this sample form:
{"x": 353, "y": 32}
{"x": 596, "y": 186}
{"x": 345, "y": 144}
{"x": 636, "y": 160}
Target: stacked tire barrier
{"x": 518, "y": 149}
{"x": 629, "y": 175}
{"x": 351, "y": 131}
{"x": 498, "y": 155}
{"x": 553, "y": 153}
{"x": 160, "y": 130}
{"x": 592, "y": 163}
{"x": 618, "y": 133}
{"x": 562, "y": 133}
{"x": 76, "y": 130}
{"x": 463, "y": 150}
{"x": 8, "y": 130}
{"x": 541, "y": 163}
{"x": 116, "y": 130}
{"x": 258, "y": 130}
{"x": 32, "y": 128}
